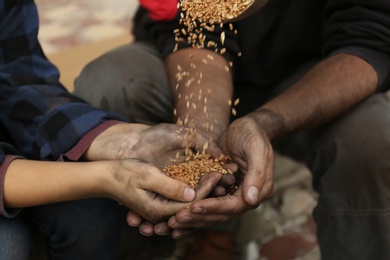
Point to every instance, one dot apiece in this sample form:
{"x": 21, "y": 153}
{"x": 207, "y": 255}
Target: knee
{"x": 362, "y": 135}
{"x": 349, "y": 160}
{"x": 122, "y": 72}
{"x": 130, "y": 78}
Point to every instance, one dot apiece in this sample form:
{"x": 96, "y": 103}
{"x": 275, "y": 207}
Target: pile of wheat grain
{"x": 214, "y": 11}
{"x": 198, "y": 16}
{"x": 194, "y": 168}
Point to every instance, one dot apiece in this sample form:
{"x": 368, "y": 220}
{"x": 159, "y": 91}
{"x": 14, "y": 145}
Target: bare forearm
{"x": 205, "y": 100}
{"x": 329, "y": 89}
{"x": 29, "y": 183}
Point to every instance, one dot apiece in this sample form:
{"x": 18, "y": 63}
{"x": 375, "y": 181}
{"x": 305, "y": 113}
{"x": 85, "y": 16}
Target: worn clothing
{"x": 147, "y": 106}
{"x": 39, "y": 119}
{"x": 286, "y": 34}
{"x": 347, "y": 157}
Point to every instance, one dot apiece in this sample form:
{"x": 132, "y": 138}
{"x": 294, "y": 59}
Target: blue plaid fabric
{"x": 38, "y": 116}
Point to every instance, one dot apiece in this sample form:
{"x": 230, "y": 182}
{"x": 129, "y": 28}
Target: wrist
{"x": 271, "y": 123}
{"x": 94, "y": 178}
{"x": 107, "y": 184}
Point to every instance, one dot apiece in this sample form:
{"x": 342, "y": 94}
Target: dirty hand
{"x": 154, "y": 144}
{"x": 248, "y": 146}
{"x": 205, "y": 186}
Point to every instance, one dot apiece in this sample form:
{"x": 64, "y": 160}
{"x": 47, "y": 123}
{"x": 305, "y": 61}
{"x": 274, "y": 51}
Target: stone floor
{"x": 281, "y": 228}
{"x": 65, "y": 24}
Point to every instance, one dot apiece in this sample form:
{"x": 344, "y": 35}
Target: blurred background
{"x": 73, "y": 32}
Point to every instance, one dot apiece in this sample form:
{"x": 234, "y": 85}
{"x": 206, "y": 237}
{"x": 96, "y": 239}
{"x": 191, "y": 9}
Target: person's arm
{"x": 356, "y": 63}
{"x": 329, "y": 89}
{"x": 205, "y": 68}
{"x": 139, "y": 186}
{"x": 205, "y": 100}
{"x": 30, "y": 183}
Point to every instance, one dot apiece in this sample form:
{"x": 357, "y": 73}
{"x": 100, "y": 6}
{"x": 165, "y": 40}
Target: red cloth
{"x": 161, "y": 10}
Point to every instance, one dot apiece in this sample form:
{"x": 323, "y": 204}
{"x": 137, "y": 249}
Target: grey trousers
{"x": 349, "y": 157}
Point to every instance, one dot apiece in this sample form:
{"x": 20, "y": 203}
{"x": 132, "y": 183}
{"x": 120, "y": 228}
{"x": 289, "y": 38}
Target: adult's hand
{"x": 158, "y": 144}
{"x": 248, "y": 146}
{"x": 205, "y": 187}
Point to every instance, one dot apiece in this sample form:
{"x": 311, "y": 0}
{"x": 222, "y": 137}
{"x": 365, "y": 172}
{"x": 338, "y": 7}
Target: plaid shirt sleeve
{"x": 41, "y": 118}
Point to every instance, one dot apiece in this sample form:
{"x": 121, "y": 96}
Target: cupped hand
{"x": 146, "y": 190}
{"x": 206, "y": 186}
{"x": 248, "y": 146}
{"x": 209, "y": 211}
{"x": 159, "y": 144}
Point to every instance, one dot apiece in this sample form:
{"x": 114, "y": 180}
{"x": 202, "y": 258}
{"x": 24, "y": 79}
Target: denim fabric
{"x": 15, "y": 242}
{"x": 83, "y": 229}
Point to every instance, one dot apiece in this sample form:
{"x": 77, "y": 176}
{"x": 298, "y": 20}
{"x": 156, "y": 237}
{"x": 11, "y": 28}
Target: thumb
{"x": 252, "y": 184}
{"x": 170, "y": 187}
{"x": 258, "y": 180}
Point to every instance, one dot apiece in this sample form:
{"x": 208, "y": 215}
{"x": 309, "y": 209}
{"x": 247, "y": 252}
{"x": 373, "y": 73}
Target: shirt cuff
{"x": 378, "y": 60}
{"x": 8, "y": 213}
{"x": 81, "y": 147}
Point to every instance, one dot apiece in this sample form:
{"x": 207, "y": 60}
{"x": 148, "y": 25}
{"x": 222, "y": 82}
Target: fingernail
{"x": 198, "y": 210}
{"x": 171, "y": 223}
{"x": 131, "y": 223}
{"x": 146, "y": 231}
{"x": 185, "y": 219}
{"x": 253, "y": 194}
{"x": 189, "y": 194}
